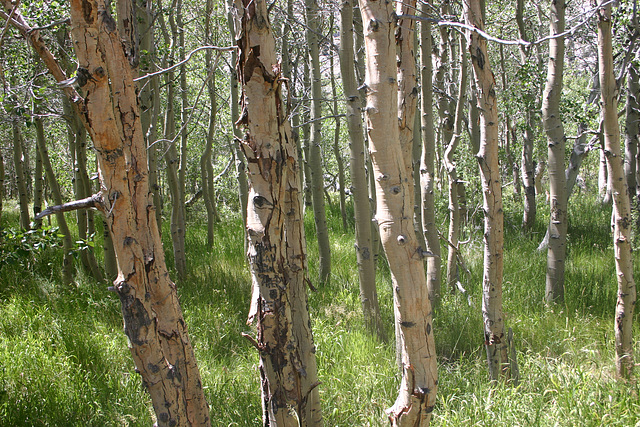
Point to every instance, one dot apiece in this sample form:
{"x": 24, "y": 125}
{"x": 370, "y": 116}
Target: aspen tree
{"x": 362, "y": 212}
{"x": 154, "y": 324}
{"x": 277, "y": 252}
{"x": 620, "y": 193}
{"x": 452, "y": 172}
{"x": 394, "y": 214}
{"x": 427, "y": 171}
{"x": 494, "y": 331}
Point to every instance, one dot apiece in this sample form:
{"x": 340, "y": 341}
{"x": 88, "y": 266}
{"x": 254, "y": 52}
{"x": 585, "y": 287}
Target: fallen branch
{"x": 95, "y": 201}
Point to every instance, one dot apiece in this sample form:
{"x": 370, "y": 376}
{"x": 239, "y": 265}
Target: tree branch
{"x": 94, "y": 201}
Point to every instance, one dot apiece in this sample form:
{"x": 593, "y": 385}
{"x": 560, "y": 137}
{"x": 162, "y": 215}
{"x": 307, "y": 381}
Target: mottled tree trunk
{"x": 554, "y": 130}
{"x": 427, "y": 168}
{"x": 206, "y": 168}
{"x": 275, "y": 227}
{"x": 494, "y": 330}
{"x": 153, "y": 319}
{"x": 621, "y": 206}
{"x": 416, "y": 397}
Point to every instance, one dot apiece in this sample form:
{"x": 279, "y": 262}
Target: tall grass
{"x": 64, "y": 358}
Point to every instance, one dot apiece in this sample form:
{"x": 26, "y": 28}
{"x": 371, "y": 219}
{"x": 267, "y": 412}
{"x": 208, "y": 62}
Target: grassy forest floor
{"x": 64, "y": 358}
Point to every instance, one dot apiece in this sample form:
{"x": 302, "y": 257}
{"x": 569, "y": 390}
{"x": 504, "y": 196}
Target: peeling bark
{"x": 153, "y": 320}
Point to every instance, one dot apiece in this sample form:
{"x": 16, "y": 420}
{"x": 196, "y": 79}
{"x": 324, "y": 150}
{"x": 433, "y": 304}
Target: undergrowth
{"x": 64, "y": 358}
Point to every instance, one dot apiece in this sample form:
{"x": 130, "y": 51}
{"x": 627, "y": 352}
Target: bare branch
{"x": 173, "y": 67}
{"x": 95, "y": 201}
{"x": 518, "y": 42}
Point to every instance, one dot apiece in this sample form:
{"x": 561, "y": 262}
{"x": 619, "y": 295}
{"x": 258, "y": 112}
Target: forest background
{"x": 63, "y": 357}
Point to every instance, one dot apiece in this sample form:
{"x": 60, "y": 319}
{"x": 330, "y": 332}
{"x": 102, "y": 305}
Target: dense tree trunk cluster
{"x": 155, "y": 130}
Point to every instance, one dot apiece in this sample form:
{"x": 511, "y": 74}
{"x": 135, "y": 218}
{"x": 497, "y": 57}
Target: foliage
{"x": 23, "y": 247}
{"x": 64, "y": 361}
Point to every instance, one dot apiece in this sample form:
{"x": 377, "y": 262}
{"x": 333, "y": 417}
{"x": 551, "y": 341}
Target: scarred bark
{"x": 153, "y": 320}
{"x": 416, "y": 397}
{"x": 277, "y": 250}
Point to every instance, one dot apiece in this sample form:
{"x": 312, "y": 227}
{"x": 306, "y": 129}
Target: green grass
{"x": 64, "y": 359}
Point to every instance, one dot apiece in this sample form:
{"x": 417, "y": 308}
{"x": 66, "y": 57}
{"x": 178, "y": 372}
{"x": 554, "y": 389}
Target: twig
{"x": 173, "y": 67}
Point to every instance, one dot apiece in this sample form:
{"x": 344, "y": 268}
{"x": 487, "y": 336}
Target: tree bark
{"x": 276, "y": 231}
{"x": 416, "y": 397}
{"x": 621, "y": 207}
{"x": 427, "y": 171}
{"x": 153, "y": 319}
{"x": 315, "y": 143}
{"x": 494, "y": 330}
{"x": 452, "y": 172}
{"x": 364, "y": 252}
{"x": 556, "y": 142}
{"x": 632, "y": 121}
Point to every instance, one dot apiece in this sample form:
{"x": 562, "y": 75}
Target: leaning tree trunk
{"x": 154, "y": 324}
{"x": 494, "y": 331}
{"x": 315, "y": 156}
{"x": 621, "y": 207}
{"x": 554, "y": 130}
{"x": 276, "y": 230}
{"x": 364, "y": 252}
{"x": 427, "y": 171}
{"x": 416, "y": 397}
